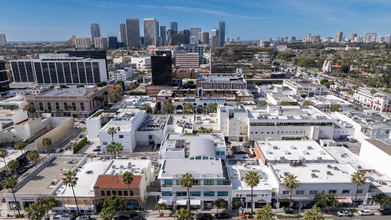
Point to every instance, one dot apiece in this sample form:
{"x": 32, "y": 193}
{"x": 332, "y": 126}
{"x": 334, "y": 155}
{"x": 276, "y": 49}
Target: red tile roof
{"x": 115, "y": 182}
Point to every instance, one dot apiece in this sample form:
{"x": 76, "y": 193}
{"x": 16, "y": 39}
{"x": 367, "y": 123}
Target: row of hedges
{"x": 79, "y": 144}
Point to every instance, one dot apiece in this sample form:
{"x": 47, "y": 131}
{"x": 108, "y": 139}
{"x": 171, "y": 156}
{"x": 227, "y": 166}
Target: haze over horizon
{"x": 58, "y": 20}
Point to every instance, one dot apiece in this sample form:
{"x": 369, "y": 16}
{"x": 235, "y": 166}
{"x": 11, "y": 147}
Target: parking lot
{"x": 352, "y": 147}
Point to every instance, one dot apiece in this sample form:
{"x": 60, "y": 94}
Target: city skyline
{"x": 43, "y": 22}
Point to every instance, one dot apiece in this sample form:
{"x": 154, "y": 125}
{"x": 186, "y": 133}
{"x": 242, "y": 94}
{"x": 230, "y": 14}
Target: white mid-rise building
{"x": 329, "y": 103}
{"x": 100, "y": 42}
{"x": 123, "y": 75}
{"x": 3, "y": 40}
{"x": 142, "y": 63}
{"x": 84, "y": 42}
{"x": 233, "y": 122}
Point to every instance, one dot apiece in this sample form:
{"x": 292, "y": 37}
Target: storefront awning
{"x": 165, "y": 201}
{"x": 344, "y": 200}
{"x": 195, "y": 202}
{"x": 181, "y": 202}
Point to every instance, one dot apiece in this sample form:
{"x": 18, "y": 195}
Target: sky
{"x": 58, "y": 20}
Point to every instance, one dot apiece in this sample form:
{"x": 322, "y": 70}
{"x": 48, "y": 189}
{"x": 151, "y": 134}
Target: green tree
{"x": 262, "y": 102}
{"x": 355, "y": 88}
{"x": 211, "y": 107}
{"x": 10, "y": 183}
{"x": 107, "y": 214}
{"x": 357, "y": 178}
{"x": 47, "y": 203}
{"x": 110, "y": 149}
{"x": 326, "y": 200}
{"x": 118, "y": 147}
{"x": 21, "y": 145}
{"x": 220, "y": 204}
{"x": 112, "y": 131}
{"x": 190, "y": 82}
{"x": 13, "y": 165}
{"x": 183, "y": 214}
{"x": 30, "y": 108}
{"x": 382, "y": 199}
{"x": 337, "y": 89}
{"x": 33, "y": 156}
{"x": 168, "y": 108}
{"x": 373, "y": 91}
{"x": 70, "y": 179}
{"x": 265, "y": 213}
{"x": 285, "y": 103}
{"x": 161, "y": 206}
{"x": 335, "y": 107}
{"x": 146, "y": 107}
{"x": 291, "y": 183}
{"x": 4, "y": 154}
{"x": 252, "y": 179}
{"x": 186, "y": 181}
{"x": 327, "y": 84}
{"x": 188, "y": 108}
{"x": 307, "y": 103}
{"x": 239, "y": 103}
{"x": 69, "y": 109}
{"x": 323, "y": 81}
{"x": 47, "y": 142}
{"x": 351, "y": 92}
{"x": 127, "y": 178}
{"x": 35, "y": 211}
{"x": 344, "y": 68}
{"x": 313, "y": 214}
{"x": 112, "y": 204}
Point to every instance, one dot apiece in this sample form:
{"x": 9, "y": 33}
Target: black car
{"x": 204, "y": 216}
{"x": 385, "y": 212}
{"x": 23, "y": 170}
{"x": 81, "y": 136}
{"x": 121, "y": 217}
{"x": 221, "y": 216}
{"x": 345, "y": 145}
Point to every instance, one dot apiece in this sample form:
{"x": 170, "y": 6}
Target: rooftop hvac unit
{"x": 313, "y": 175}
{"x": 319, "y": 158}
{"x": 329, "y": 166}
{"x": 309, "y": 147}
{"x": 282, "y": 158}
{"x": 329, "y": 173}
{"x": 121, "y": 166}
{"x": 275, "y": 147}
{"x": 113, "y": 166}
{"x": 336, "y": 168}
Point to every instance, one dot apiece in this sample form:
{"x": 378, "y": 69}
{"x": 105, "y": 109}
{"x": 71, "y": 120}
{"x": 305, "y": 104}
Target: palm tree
{"x": 307, "y": 103}
{"x": 284, "y": 103}
{"x": 211, "y": 107}
{"x": 186, "y": 181}
{"x": 127, "y": 178}
{"x": 350, "y": 92}
{"x": 265, "y": 213}
{"x": 112, "y": 131}
{"x": 291, "y": 182}
{"x": 33, "y": 155}
{"x": 355, "y": 88}
{"x": 188, "y": 107}
{"x": 357, "y": 178}
{"x": 10, "y": 183}
{"x": 70, "y": 179}
{"x": 147, "y": 108}
{"x": 35, "y": 211}
{"x": 13, "y": 165}
{"x": 20, "y": 145}
{"x": 30, "y": 108}
{"x": 118, "y": 147}
{"x": 313, "y": 214}
{"x": 252, "y": 179}
{"x": 4, "y": 154}
{"x": 168, "y": 108}
{"x": 262, "y": 102}
{"x": 373, "y": 91}
{"x": 110, "y": 149}
{"x": 47, "y": 142}
{"x": 69, "y": 109}
{"x": 48, "y": 203}
{"x": 183, "y": 214}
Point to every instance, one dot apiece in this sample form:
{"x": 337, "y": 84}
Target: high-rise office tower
{"x": 4, "y": 82}
{"x": 373, "y": 37}
{"x": 95, "y": 31}
{"x": 387, "y": 39}
{"x": 307, "y": 37}
{"x": 203, "y": 37}
{"x": 113, "y": 43}
{"x": 215, "y": 38}
{"x": 3, "y": 40}
{"x": 238, "y": 39}
{"x": 293, "y": 38}
{"x": 161, "y": 66}
{"x": 339, "y": 36}
{"x": 194, "y": 33}
{"x": 174, "y": 27}
{"x": 122, "y": 32}
{"x": 163, "y": 34}
{"x": 132, "y": 26}
{"x": 187, "y": 36}
{"x": 100, "y": 42}
{"x": 366, "y": 37}
{"x": 84, "y": 42}
{"x": 150, "y": 32}
{"x": 222, "y": 33}
{"x": 353, "y": 36}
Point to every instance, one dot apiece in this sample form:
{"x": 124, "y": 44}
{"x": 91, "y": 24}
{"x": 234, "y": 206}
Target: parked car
{"x": 81, "y": 136}
{"x": 204, "y": 216}
{"x": 68, "y": 148}
{"x": 121, "y": 217}
{"x": 59, "y": 150}
{"x": 83, "y": 217}
{"x": 29, "y": 164}
{"x": 365, "y": 212}
{"x": 3, "y": 200}
{"x": 96, "y": 150}
{"x": 21, "y": 171}
{"x": 344, "y": 213}
{"x": 382, "y": 211}
{"x": 222, "y": 216}
{"x": 345, "y": 145}
{"x": 56, "y": 217}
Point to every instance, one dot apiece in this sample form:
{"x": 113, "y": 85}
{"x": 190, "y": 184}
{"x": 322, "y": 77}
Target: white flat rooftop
{"x": 178, "y": 167}
{"x": 238, "y": 172}
{"x": 316, "y": 173}
{"x": 289, "y": 113}
{"x": 12, "y": 155}
{"x": 119, "y": 166}
{"x": 293, "y": 150}
{"x": 87, "y": 174}
{"x": 343, "y": 155}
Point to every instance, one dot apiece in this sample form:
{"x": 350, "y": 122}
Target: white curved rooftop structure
{"x": 202, "y": 147}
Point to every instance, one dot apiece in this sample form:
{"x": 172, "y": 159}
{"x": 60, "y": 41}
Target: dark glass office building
{"x": 113, "y": 43}
{"x": 161, "y": 68}
{"x": 4, "y": 83}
